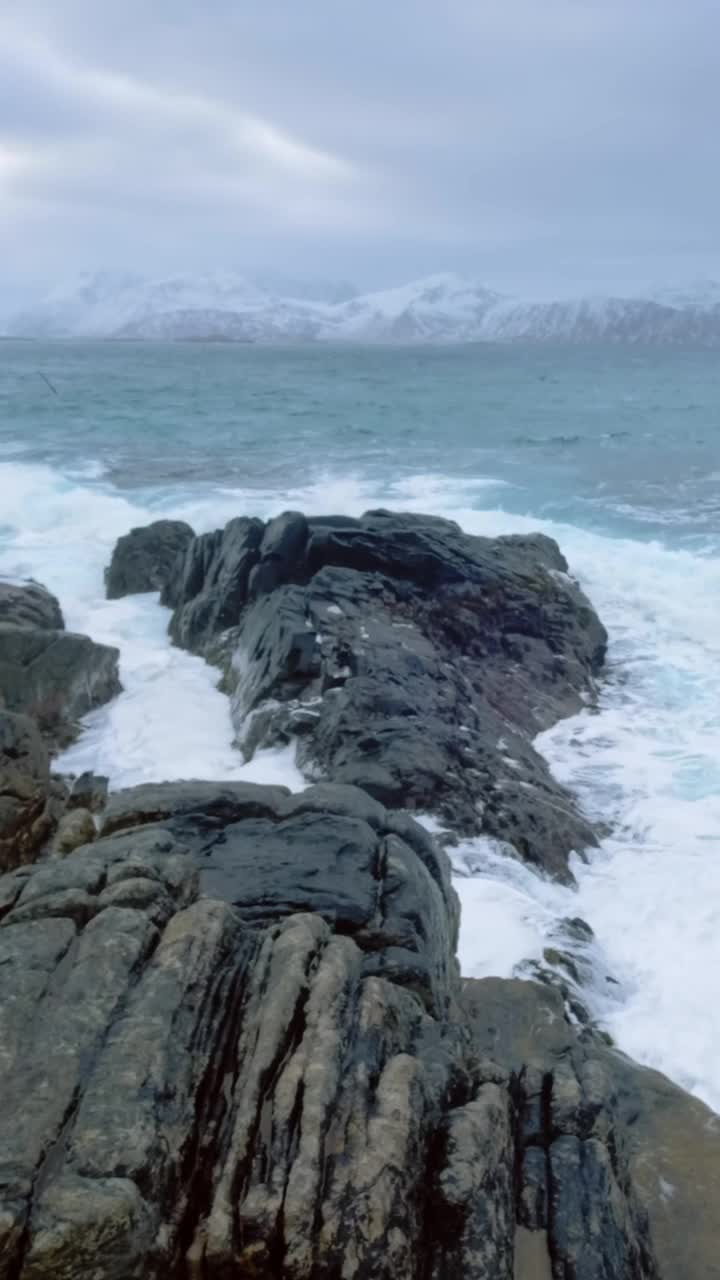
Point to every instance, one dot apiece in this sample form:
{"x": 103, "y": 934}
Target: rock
{"x": 89, "y": 791}
{"x": 234, "y": 1043}
{"x": 215, "y": 803}
{"x": 473, "y": 1196}
{"x": 26, "y": 811}
{"x": 48, "y": 673}
{"x": 144, "y": 558}
{"x": 331, "y": 851}
{"x": 406, "y": 657}
{"x": 55, "y": 677}
{"x": 629, "y": 1165}
{"x": 143, "y": 994}
{"x": 209, "y": 588}
{"x": 75, "y": 828}
{"x": 27, "y": 604}
{"x": 282, "y": 552}
{"x": 279, "y": 653}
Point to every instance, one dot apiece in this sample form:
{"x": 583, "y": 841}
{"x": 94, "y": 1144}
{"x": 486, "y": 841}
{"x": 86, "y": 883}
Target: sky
{"x": 543, "y": 147}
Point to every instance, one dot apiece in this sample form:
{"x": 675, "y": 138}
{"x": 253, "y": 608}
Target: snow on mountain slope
{"x": 441, "y": 308}
{"x": 102, "y": 305}
{"x": 602, "y": 320}
{"x": 284, "y": 320}
{"x": 437, "y": 308}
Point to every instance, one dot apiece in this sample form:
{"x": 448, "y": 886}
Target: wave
{"x": 171, "y": 722}
{"x": 539, "y": 442}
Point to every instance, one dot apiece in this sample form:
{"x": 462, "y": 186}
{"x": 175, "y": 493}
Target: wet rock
{"x": 332, "y": 851}
{"x": 144, "y": 558}
{"x": 234, "y": 1043}
{"x": 209, "y": 586}
{"x": 26, "y": 809}
{"x": 406, "y": 657}
{"x": 24, "y": 603}
{"x": 88, "y": 791}
{"x": 55, "y": 677}
{"x": 474, "y": 1195}
{"x": 211, "y": 1087}
{"x": 673, "y": 1145}
{"x": 47, "y": 673}
{"x": 282, "y": 552}
{"x": 620, "y": 1169}
{"x": 214, "y": 803}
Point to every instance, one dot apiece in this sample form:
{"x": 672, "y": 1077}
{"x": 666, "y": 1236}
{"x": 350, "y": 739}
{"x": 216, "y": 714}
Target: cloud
{"x": 569, "y": 141}
{"x": 83, "y": 134}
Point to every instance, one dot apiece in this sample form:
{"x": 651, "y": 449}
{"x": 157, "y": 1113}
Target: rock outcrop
{"x": 234, "y": 1043}
{"x": 405, "y": 657}
{"x": 244, "y": 1082}
{"x": 27, "y": 604}
{"x": 614, "y": 1164}
{"x": 26, "y": 807}
{"x": 143, "y": 558}
{"x": 50, "y": 674}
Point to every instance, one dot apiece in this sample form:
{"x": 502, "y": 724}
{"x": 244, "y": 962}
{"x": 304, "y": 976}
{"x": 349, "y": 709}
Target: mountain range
{"x": 442, "y": 308}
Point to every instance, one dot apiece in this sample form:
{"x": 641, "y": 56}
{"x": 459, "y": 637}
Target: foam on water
{"x": 649, "y": 759}
{"x": 170, "y": 722}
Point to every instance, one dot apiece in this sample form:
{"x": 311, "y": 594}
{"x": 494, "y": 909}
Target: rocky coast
{"x": 234, "y": 1038}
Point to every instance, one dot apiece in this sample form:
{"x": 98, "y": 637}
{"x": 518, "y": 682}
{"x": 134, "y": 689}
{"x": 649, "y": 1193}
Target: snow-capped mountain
{"x": 621, "y": 321}
{"x": 104, "y": 305}
{"x": 442, "y": 308}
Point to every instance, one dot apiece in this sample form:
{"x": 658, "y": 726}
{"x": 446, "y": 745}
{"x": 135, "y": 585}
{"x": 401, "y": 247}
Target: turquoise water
{"x": 615, "y": 453}
{"x": 618, "y": 441}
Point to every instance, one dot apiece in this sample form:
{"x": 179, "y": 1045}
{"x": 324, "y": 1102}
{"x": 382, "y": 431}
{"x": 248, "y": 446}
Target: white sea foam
{"x": 650, "y": 759}
{"x": 171, "y": 721}
{"x": 650, "y": 762}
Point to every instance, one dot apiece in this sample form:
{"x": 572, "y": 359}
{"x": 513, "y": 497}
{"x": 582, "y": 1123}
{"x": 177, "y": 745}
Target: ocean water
{"x": 615, "y": 453}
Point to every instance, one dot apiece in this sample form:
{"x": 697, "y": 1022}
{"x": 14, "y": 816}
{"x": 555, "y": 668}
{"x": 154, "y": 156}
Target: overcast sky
{"x": 538, "y": 145}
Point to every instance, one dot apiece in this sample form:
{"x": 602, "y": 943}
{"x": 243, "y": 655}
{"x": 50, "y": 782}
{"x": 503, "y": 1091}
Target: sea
{"x": 615, "y": 452}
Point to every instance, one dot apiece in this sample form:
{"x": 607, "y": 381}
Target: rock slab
{"x": 211, "y": 1073}
{"x": 404, "y": 657}
{"x": 143, "y": 559}
{"x": 47, "y": 673}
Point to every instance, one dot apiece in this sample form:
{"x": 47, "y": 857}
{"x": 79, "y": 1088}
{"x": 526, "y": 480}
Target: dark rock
{"x": 224, "y": 1085}
{"x": 55, "y": 676}
{"x": 279, "y": 653}
{"x": 26, "y": 811}
{"x": 282, "y": 553}
{"x": 350, "y": 802}
{"x": 209, "y": 588}
{"x": 406, "y": 657}
{"x": 218, "y": 803}
{"x": 89, "y": 791}
{"x": 315, "y": 862}
{"x": 27, "y": 604}
{"x": 331, "y": 850}
{"x": 144, "y": 559}
{"x": 169, "y": 1026}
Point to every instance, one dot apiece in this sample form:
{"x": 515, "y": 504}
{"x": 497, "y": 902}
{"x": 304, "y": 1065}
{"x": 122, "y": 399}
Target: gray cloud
{"x": 559, "y": 145}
